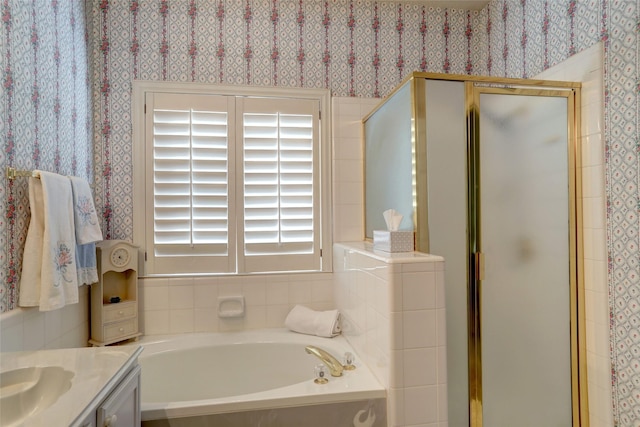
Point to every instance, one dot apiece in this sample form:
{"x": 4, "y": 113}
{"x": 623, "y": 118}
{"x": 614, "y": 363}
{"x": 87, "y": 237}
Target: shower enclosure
{"x": 486, "y": 171}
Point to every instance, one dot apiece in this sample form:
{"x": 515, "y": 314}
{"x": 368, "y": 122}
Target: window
{"x": 233, "y": 182}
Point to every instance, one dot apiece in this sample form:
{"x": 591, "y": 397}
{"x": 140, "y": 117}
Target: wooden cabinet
{"x": 122, "y": 407}
{"x": 114, "y": 299}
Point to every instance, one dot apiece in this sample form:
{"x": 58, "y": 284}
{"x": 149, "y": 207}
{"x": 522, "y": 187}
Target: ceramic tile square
{"x": 205, "y": 295}
{"x": 205, "y": 320}
{"x": 300, "y": 292}
{"x": 395, "y": 290}
{"x": 413, "y": 267}
{"x": 53, "y": 325}
{"x": 348, "y": 149}
{"x": 418, "y": 291}
{"x": 349, "y": 170}
{"x": 420, "y": 405}
{"x": 443, "y": 407}
{"x": 255, "y": 317}
{"x": 592, "y": 150}
{"x": 322, "y": 291}
{"x": 156, "y": 297}
{"x": 12, "y": 337}
{"x": 441, "y": 327}
{"x": 395, "y": 407}
{"x": 396, "y": 331}
{"x": 442, "y": 364}
{"x": 420, "y": 367}
{"x": 181, "y": 321}
{"x": 255, "y": 294}
{"x": 396, "y": 370}
{"x": 419, "y": 328}
{"x": 440, "y": 289}
{"x": 156, "y": 322}
{"x": 34, "y": 332}
{"x": 276, "y": 315}
{"x": 349, "y": 193}
{"x": 181, "y": 296}
{"x": 277, "y": 293}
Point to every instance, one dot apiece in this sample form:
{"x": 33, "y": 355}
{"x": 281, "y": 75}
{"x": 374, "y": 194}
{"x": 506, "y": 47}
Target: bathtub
{"x": 245, "y": 377}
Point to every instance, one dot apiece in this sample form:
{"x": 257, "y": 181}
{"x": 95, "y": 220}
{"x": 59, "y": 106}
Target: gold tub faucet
{"x": 335, "y": 367}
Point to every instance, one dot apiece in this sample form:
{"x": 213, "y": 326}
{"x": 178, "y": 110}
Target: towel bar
{"x": 13, "y": 173}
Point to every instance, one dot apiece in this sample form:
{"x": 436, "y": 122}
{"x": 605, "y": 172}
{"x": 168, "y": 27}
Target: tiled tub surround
{"x": 393, "y": 308}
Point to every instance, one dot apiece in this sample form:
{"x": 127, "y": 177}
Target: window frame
{"x": 140, "y": 216}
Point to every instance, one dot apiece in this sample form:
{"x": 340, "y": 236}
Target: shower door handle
{"x": 479, "y": 265}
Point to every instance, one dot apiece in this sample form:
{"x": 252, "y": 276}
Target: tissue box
{"x": 393, "y": 241}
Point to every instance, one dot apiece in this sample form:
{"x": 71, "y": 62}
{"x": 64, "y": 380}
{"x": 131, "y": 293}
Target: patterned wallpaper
{"x": 359, "y": 48}
{"x": 44, "y": 113}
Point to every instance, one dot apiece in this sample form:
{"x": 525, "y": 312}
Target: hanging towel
{"x": 306, "y": 321}
{"x": 87, "y": 231}
{"x": 86, "y": 264}
{"x": 49, "y": 277}
{"x": 84, "y": 212}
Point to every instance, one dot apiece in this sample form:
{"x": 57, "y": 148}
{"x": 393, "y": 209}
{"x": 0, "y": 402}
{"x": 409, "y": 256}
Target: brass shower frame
{"x": 475, "y": 265}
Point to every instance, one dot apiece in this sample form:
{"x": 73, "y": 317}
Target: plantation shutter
{"x": 280, "y": 193}
{"x": 188, "y": 183}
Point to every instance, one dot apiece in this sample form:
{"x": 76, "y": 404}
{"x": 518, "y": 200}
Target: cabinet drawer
{"x": 119, "y": 311}
{"x": 120, "y": 329}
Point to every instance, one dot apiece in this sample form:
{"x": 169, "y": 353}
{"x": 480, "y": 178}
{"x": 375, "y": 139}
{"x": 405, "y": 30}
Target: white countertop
{"x": 96, "y": 370}
{"x": 366, "y": 248}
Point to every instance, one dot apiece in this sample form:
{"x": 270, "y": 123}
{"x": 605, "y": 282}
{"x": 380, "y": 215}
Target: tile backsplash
{"x": 27, "y": 329}
{"x": 181, "y": 305}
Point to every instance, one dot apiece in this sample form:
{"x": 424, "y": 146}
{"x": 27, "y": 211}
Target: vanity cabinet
{"x": 114, "y": 299}
{"x": 120, "y": 407}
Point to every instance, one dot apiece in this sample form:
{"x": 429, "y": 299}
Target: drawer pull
{"x": 111, "y": 421}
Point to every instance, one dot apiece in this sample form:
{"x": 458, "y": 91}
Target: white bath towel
{"x": 49, "y": 277}
{"x": 311, "y": 322}
{"x": 87, "y": 230}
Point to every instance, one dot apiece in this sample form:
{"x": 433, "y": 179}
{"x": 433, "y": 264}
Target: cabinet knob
{"x": 111, "y": 421}
{"x": 121, "y": 312}
{"x": 121, "y": 329}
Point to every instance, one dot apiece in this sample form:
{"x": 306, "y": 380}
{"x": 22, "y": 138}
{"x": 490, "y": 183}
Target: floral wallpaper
{"x": 44, "y": 113}
{"x": 67, "y": 69}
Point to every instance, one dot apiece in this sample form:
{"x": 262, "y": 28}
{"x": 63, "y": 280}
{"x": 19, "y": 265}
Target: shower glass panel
{"x": 390, "y": 162}
{"x": 446, "y": 169}
{"x": 524, "y": 235}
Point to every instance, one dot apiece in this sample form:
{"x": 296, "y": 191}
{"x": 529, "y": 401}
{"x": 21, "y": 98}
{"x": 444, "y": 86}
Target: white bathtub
{"x": 193, "y": 375}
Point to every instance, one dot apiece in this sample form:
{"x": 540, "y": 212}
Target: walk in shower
{"x": 485, "y": 171}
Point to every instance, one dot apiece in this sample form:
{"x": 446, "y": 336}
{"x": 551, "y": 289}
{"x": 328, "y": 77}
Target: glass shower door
{"x": 524, "y": 235}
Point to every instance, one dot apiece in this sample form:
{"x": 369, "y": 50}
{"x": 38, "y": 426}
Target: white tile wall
{"x": 183, "y": 305}
{"x": 587, "y": 67}
{"x": 26, "y": 329}
{"x": 348, "y": 172}
{"x": 394, "y": 316}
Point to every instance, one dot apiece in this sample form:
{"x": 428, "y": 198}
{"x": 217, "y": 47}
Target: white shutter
{"x": 188, "y": 185}
{"x": 280, "y": 191}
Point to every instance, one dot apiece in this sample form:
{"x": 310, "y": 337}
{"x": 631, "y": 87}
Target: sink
{"x": 27, "y": 391}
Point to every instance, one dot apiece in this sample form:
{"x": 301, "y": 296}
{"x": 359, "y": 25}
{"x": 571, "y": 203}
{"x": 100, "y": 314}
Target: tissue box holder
{"x": 393, "y": 241}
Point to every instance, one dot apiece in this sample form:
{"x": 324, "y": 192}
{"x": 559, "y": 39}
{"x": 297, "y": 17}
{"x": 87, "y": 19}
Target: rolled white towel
{"x": 306, "y": 321}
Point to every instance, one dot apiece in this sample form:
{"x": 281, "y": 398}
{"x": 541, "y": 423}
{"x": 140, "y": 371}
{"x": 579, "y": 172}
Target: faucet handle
{"x": 321, "y": 374}
{"x": 348, "y": 360}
